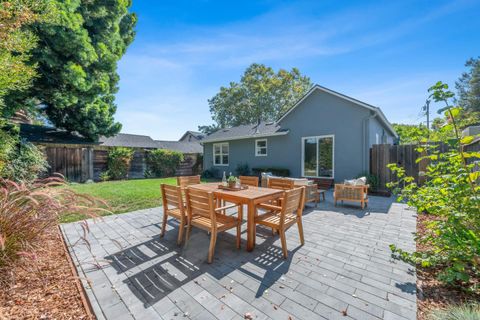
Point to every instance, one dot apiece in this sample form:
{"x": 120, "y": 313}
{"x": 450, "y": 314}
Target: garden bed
{"x": 433, "y": 295}
{"x": 45, "y": 288}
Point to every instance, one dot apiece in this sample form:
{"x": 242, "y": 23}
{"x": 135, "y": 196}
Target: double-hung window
{"x": 220, "y": 154}
{"x": 261, "y": 147}
{"x": 318, "y": 156}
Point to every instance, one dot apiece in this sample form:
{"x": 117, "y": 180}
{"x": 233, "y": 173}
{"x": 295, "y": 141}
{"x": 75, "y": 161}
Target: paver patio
{"x": 344, "y": 270}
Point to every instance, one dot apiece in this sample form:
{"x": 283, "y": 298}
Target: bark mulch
{"x": 44, "y": 288}
{"x": 433, "y": 295}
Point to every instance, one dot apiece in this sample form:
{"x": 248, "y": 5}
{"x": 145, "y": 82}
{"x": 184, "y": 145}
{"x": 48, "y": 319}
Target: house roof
{"x": 378, "y": 112}
{"x": 140, "y": 141}
{"x": 128, "y": 140}
{"x": 196, "y": 134}
{"x": 180, "y": 146}
{"x": 45, "y": 134}
{"x": 265, "y": 129}
{"x": 262, "y": 129}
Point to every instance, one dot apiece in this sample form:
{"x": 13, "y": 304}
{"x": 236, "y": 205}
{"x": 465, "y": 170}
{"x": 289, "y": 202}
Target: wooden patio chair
{"x": 249, "y": 181}
{"x": 202, "y": 214}
{"x": 185, "y": 181}
{"x": 173, "y": 207}
{"x": 280, "y": 218}
{"x": 281, "y": 183}
{"x": 344, "y": 192}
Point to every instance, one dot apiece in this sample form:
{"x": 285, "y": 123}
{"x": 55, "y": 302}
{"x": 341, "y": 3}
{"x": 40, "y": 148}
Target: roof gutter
{"x": 281, "y": 133}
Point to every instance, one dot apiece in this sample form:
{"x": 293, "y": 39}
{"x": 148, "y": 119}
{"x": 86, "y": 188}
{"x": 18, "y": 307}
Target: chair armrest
{"x": 226, "y": 207}
{"x": 269, "y": 207}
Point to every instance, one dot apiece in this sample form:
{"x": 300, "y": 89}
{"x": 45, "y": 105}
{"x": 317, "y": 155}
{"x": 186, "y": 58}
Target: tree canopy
{"x": 16, "y": 42}
{"x": 468, "y": 86}
{"x": 261, "y": 94}
{"x": 76, "y": 59}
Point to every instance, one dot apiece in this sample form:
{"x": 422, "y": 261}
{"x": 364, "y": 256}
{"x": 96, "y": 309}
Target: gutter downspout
{"x": 366, "y": 140}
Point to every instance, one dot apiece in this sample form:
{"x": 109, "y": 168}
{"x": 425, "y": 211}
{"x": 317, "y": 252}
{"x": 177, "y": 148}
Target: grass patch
{"x": 125, "y": 195}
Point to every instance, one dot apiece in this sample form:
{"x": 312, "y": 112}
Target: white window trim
{"x": 257, "y": 148}
{"x": 221, "y": 154}
{"x": 333, "y": 155}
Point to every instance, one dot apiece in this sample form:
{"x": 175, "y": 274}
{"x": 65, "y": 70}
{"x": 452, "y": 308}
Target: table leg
{"x": 251, "y": 227}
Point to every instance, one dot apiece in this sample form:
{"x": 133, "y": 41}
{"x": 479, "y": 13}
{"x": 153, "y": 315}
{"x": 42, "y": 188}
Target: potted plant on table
{"x": 232, "y": 181}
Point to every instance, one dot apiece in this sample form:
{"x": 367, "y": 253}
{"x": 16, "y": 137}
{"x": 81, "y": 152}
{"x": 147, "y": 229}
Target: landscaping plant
{"x": 118, "y": 163}
{"x": 163, "y": 163}
{"x": 29, "y": 211}
{"x": 450, "y": 194}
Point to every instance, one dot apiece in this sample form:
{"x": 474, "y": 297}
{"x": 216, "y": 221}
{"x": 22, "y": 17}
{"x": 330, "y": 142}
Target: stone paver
{"x": 344, "y": 270}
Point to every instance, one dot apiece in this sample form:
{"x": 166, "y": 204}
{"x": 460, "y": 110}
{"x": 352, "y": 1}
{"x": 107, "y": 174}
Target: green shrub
{"x": 211, "y": 173}
{"x": 118, "y": 164}
{"x": 462, "y": 312}
{"x": 281, "y": 172}
{"x": 372, "y": 180}
{"x": 104, "y": 176}
{"x": 25, "y": 163}
{"x": 242, "y": 169}
{"x": 450, "y": 193}
{"x": 163, "y": 163}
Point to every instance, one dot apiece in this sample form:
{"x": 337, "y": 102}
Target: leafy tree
{"x": 77, "y": 59}
{"x": 208, "y": 128}
{"x": 468, "y": 86}
{"x": 261, "y": 94}
{"x": 409, "y": 133}
{"x": 16, "y": 42}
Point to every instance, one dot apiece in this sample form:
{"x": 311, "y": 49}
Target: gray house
{"x": 326, "y": 135}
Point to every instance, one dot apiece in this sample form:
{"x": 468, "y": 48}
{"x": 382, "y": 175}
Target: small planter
{"x": 232, "y": 184}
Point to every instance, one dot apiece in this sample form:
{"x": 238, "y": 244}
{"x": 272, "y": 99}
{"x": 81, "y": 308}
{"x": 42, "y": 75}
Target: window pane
{"x": 325, "y": 163}
{"x": 225, "y": 148}
{"x": 261, "y": 151}
{"x": 310, "y": 157}
{"x": 216, "y": 149}
{"x": 217, "y": 160}
{"x": 261, "y": 143}
{"x": 225, "y": 159}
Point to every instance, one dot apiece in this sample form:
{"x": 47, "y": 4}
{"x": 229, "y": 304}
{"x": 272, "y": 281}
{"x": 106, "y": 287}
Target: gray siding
{"x": 378, "y": 132}
{"x": 319, "y": 114}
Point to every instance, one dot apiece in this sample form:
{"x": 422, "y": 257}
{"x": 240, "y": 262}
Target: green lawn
{"x": 123, "y": 196}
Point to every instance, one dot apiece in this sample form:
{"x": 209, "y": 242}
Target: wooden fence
{"x": 79, "y": 164}
{"x": 73, "y": 163}
{"x": 404, "y": 156}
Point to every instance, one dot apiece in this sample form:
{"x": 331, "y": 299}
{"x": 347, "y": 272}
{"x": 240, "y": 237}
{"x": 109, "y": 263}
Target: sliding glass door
{"x": 317, "y": 157}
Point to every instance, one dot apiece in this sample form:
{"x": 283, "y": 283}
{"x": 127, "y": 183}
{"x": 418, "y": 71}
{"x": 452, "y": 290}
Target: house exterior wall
{"x": 378, "y": 134}
{"x": 319, "y": 114}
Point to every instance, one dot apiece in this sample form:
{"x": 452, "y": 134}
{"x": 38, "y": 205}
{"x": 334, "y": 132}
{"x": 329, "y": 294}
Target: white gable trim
{"x": 376, "y": 110}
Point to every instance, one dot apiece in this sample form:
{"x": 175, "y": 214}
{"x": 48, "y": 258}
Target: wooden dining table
{"x": 249, "y": 197}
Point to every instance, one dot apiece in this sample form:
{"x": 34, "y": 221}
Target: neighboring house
{"x": 80, "y": 159}
{"x": 192, "y": 136}
{"x": 325, "y": 135}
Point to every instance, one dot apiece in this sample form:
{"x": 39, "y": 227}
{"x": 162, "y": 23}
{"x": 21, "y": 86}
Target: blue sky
{"x": 386, "y": 53}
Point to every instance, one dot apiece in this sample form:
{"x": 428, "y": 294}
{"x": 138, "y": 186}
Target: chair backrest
{"x": 185, "y": 181}
{"x": 249, "y": 180}
{"x": 201, "y": 203}
{"x": 171, "y": 197}
{"x": 281, "y": 183}
{"x": 293, "y": 200}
